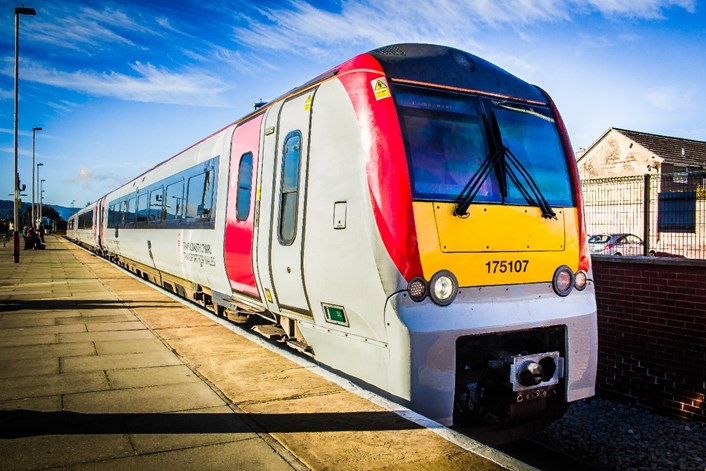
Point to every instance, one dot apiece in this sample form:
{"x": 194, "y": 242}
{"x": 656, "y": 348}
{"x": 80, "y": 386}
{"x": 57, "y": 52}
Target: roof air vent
{"x": 391, "y": 51}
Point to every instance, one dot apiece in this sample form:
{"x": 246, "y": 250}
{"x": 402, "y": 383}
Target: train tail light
{"x": 580, "y": 280}
{"x": 417, "y": 289}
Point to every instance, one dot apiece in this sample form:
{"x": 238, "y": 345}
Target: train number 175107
{"x": 507, "y": 266}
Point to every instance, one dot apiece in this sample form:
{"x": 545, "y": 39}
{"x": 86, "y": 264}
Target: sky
{"x": 119, "y": 86}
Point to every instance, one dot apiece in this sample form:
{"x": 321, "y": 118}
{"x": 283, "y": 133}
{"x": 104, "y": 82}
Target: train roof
{"x": 446, "y": 66}
{"x": 417, "y": 63}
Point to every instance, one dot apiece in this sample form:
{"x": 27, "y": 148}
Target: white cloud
{"x": 87, "y": 177}
{"x": 149, "y": 83}
{"x": 91, "y": 30}
{"x": 305, "y": 29}
{"x": 645, "y": 9}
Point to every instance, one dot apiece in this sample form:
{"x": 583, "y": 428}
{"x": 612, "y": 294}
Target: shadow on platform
{"x": 82, "y": 304}
{"x": 28, "y": 423}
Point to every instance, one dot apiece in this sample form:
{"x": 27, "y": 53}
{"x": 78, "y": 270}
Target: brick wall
{"x": 652, "y": 333}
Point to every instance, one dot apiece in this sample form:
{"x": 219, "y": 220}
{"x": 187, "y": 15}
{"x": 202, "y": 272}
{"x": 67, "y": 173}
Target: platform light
{"x": 16, "y": 235}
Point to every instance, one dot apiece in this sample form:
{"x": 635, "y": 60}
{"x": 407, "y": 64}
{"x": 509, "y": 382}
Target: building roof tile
{"x": 674, "y": 150}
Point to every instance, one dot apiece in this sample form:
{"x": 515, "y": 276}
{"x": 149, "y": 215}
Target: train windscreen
{"x": 463, "y": 146}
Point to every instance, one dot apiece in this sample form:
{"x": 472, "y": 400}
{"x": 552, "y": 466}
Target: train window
{"x": 173, "y": 201}
{"x": 85, "y": 220}
{"x": 141, "y": 210}
{"x": 242, "y": 202}
{"x": 446, "y": 144}
{"x": 289, "y": 192}
{"x": 449, "y": 138}
{"x": 531, "y": 135}
{"x": 154, "y": 214}
{"x": 199, "y": 197}
{"x": 129, "y": 216}
{"x": 112, "y": 222}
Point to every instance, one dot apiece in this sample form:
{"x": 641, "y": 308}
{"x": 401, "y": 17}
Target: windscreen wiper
{"x": 510, "y": 167}
{"x": 530, "y": 191}
{"x": 470, "y": 190}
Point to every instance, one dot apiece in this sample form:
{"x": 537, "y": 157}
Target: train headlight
{"x": 563, "y": 280}
{"x": 443, "y": 288}
{"x": 417, "y": 289}
{"x": 580, "y": 280}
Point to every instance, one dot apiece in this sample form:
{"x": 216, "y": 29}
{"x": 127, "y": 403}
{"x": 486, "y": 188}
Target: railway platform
{"x": 100, "y": 371}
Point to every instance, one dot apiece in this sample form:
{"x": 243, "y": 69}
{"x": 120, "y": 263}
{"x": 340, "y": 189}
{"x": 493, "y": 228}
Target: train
{"x": 411, "y": 218}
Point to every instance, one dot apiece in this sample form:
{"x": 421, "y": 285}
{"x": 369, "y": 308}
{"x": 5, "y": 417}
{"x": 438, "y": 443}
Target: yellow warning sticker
{"x": 380, "y": 88}
{"x": 307, "y": 104}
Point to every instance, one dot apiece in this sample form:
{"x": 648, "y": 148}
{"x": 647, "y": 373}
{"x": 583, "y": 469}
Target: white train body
{"x": 310, "y": 212}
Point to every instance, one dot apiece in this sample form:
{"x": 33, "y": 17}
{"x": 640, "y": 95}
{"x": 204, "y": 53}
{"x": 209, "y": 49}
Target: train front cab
{"x": 499, "y": 329}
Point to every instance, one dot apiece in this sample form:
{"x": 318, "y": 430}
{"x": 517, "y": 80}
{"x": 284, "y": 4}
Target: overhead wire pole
{"x": 41, "y": 198}
{"x": 40, "y": 208}
{"x": 34, "y": 217}
{"x": 16, "y": 175}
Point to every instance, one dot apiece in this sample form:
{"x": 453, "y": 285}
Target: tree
{"x": 47, "y": 212}
{"x": 51, "y": 213}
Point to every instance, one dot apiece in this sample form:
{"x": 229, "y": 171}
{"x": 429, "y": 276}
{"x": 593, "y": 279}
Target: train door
{"x": 240, "y": 213}
{"x": 101, "y": 214}
{"x": 284, "y": 206}
{"x": 95, "y": 224}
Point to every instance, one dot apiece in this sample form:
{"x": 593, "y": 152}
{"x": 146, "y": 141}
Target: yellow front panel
{"x": 507, "y": 246}
{"x": 498, "y": 228}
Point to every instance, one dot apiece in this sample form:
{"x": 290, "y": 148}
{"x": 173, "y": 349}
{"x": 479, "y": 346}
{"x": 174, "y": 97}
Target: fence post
{"x": 646, "y": 216}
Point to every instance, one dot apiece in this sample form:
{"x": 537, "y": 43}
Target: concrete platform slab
{"x": 26, "y": 340}
{"x": 152, "y": 399}
{"x": 42, "y": 404}
{"x": 104, "y": 336}
{"x": 48, "y": 350}
{"x": 245, "y": 454}
{"x": 55, "y": 384}
{"x": 42, "y": 330}
{"x": 14, "y": 368}
{"x": 144, "y": 377}
{"x": 119, "y": 361}
{"x": 108, "y": 347}
{"x": 42, "y": 451}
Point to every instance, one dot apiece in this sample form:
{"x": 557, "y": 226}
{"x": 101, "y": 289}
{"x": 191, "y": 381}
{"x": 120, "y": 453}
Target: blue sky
{"x": 120, "y": 86}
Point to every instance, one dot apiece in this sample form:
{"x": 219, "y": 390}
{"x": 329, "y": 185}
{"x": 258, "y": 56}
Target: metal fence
{"x": 667, "y": 211}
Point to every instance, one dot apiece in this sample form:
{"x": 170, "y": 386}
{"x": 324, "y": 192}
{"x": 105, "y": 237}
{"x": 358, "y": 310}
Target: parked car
{"x": 616, "y": 244}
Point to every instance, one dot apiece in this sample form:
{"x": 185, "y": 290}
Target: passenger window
{"x": 155, "y": 210}
{"x": 199, "y": 197}
{"x": 113, "y": 215}
{"x": 142, "y": 208}
{"x": 242, "y": 202}
{"x": 291, "y": 156}
{"x": 173, "y": 201}
{"x": 130, "y": 211}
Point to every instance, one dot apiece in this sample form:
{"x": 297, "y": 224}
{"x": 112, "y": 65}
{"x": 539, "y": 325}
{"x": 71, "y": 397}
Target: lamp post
{"x": 41, "y": 198}
{"x": 34, "y": 131}
{"x": 15, "y": 175}
{"x": 34, "y": 221}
